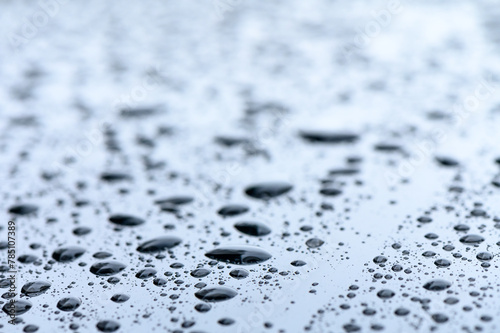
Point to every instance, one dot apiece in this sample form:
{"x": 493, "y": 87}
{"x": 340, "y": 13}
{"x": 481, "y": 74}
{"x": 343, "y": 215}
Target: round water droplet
{"x": 107, "y": 268}
{"x": 35, "y": 288}
{"x": 442, "y": 263}
{"x": 200, "y": 272}
{"x": 233, "y": 210}
{"x": 472, "y": 239}
{"x": 266, "y": 191}
{"x": 202, "y": 307}
{"x": 439, "y": 318}
{"x": 484, "y": 256}
{"x": 253, "y": 228}
{"x": 437, "y": 285}
{"x": 447, "y": 161}
{"x": 330, "y": 192}
{"x": 120, "y": 298}
{"x": 102, "y": 255}
{"x": 386, "y": 294}
{"x": 215, "y": 294}
{"x": 68, "y": 253}
{"x": 23, "y": 209}
{"x": 379, "y": 259}
{"x": 314, "y": 243}
{"x": 69, "y": 304}
{"x": 114, "y": 177}
{"x": 159, "y": 244}
{"x": 17, "y": 306}
{"x": 146, "y": 273}
{"x": 126, "y": 220}
{"x": 176, "y": 201}
{"x": 240, "y": 255}
{"x": 298, "y": 263}
{"x": 239, "y": 273}
{"x": 108, "y": 326}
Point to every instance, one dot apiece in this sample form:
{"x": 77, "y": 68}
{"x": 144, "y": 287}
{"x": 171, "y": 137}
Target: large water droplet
{"x": 215, "y": 294}
{"x": 240, "y": 255}
{"x": 232, "y": 210}
{"x": 471, "y": 239}
{"x": 23, "y": 209}
{"x": 108, "y": 326}
{"x": 253, "y": 228}
{"x": 35, "y": 288}
{"x": 314, "y": 243}
{"x": 159, "y": 244}
{"x": 266, "y": 191}
{"x": 17, "y": 306}
{"x": 120, "y": 298}
{"x": 386, "y": 293}
{"x": 437, "y": 285}
{"x": 200, "y": 272}
{"x": 68, "y": 253}
{"x": 69, "y": 304}
{"x": 107, "y": 268}
{"x": 126, "y": 220}
{"x": 146, "y": 273}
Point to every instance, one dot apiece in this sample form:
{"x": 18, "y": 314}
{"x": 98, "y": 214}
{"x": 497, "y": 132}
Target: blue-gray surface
{"x": 333, "y": 166}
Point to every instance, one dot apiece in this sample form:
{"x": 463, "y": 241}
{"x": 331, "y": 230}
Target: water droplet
{"x": 19, "y": 307}
{"x": 328, "y": 137}
{"x": 298, "y": 263}
{"x": 330, "y": 192}
{"x": 114, "y": 177}
{"x": 266, "y": 191}
{"x": 484, "y": 256}
{"x": 176, "y": 201}
{"x": 239, "y": 273}
{"x": 68, "y": 254}
{"x": 102, "y": 255}
{"x": 253, "y": 228}
{"x": 226, "y": 321}
{"x": 107, "y": 268}
{"x": 126, "y": 220}
{"x": 379, "y": 259}
{"x": 120, "y": 298}
{"x": 81, "y": 231}
{"x": 446, "y": 161}
{"x": 200, "y": 273}
{"x": 69, "y": 304}
{"x": 146, "y": 273}
{"x": 472, "y": 239}
{"x": 30, "y": 329}
{"x": 424, "y": 219}
{"x": 202, "y": 307}
{"x": 108, "y": 326}
{"x": 401, "y": 312}
{"x": 437, "y": 285}
{"x": 439, "y": 318}
{"x": 232, "y": 210}
{"x": 442, "y": 263}
{"x": 159, "y": 244}
{"x": 386, "y": 294}
{"x": 314, "y": 243}
{"x": 230, "y": 141}
{"x": 24, "y": 209}
{"x": 215, "y": 294}
{"x": 240, "y": 255}
{"x": 35, "y": 288}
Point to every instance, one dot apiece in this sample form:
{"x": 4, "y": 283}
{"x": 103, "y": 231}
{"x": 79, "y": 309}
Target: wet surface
{"x": 280, "y": 166}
